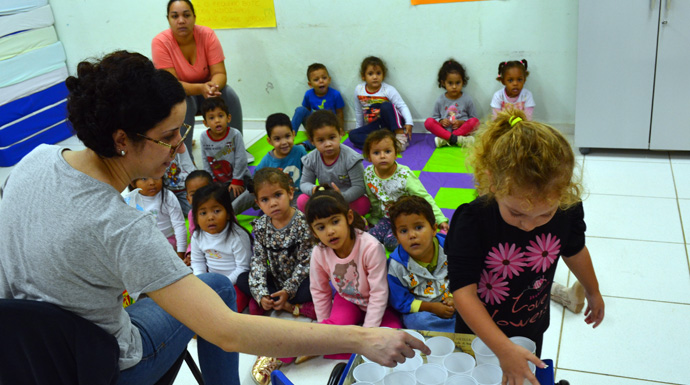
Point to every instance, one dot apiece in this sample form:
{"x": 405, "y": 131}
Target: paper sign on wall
{"x": 418, "y": 2}
{"x": 223, "y": 14}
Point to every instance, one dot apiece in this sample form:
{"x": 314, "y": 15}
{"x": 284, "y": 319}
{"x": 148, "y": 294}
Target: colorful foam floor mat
{"x": 443, "y": 171}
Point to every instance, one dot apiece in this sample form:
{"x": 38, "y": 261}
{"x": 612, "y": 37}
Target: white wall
{"x": 267, "y": 66}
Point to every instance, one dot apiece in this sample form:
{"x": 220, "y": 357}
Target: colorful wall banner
{"x": 227, "y": 14}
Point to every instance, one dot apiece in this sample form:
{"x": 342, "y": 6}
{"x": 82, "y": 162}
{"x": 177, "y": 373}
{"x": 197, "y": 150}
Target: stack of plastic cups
{"x": 441, "y": 347}
{"x": 431, "y": 374}
{"x": 487, "y": 374}
{"x": 369, "y": 372}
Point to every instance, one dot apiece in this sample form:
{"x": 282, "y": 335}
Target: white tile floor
{"x": 637, "y": 212}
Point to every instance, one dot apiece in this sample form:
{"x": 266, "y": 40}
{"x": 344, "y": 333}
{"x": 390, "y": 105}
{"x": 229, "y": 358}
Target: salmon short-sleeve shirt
{"x": 167, "y": 54}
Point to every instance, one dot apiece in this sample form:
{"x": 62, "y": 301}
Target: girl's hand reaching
{"x": 594, "y": 312}
{"x": 514, "y": 365}
{"x": 389, "y": 347}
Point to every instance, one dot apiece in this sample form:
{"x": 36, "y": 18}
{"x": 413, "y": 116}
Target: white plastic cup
{"x": 410, "y": 364}
{"x": 416, "y": 335}
{"x": 533, "y": 368}
{"x": 369, "y": 372}
{"x": 487, "y": 374}
{"x": 399, "y": 378}
{"x": 482, "y": 353}
{"x": 525, "y": 343}
{"x": 430, "y": 374}
{"x": 461, "y": 379}
{"x": 459, "y": 363}
{"x": 441, "y": 347}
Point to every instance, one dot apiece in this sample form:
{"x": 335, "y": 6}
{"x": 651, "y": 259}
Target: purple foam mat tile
{"x": 418, "y": 152}
{"x": 252, "y": 212}
{"x": 448, "y": 213}
{"x": 433, "y": 181}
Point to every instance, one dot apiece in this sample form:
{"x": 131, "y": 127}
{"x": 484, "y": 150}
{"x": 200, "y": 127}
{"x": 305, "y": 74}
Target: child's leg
{"x": 361, "y": 205}
{"x": 383, "y": 232}
{"x": 302, "y": 202}
{"x": 244, "y": 295}
{"x": 359, "y": 134}
{"x": 303, "y": 302}
{"x": 343, "y": 312}
{"x": 242, "y": 202}
{"x": 436, "y": 128}
{"x": 299, "y": 118}
{"x": 466, "y": 128}
{"x": 425, "y": 320}
{"x": 391, "y": 319}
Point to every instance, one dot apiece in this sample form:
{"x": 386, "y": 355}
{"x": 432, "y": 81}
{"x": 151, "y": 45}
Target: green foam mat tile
{"x": 451, "y": 198}
{"x": 448, "y": 159}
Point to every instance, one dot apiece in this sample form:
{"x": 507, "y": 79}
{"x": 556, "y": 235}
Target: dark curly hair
{"x": 451, "y": 66}
{"x": 372, "y": 61}
{"x": 121, "y": 91}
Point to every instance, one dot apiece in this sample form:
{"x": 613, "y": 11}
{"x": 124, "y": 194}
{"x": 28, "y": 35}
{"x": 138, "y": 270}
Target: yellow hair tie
{"x": 514, "y": 120}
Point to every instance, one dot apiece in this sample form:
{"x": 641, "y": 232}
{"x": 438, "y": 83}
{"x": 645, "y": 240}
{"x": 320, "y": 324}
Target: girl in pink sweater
{"x": 353, "y": 261}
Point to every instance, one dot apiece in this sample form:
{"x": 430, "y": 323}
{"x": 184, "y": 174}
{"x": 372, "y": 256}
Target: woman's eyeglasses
{"x": 173, "y": 149}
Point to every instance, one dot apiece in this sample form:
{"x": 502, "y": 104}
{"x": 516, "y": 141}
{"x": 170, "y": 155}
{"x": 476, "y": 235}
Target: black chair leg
{"x": 193, "y": 368}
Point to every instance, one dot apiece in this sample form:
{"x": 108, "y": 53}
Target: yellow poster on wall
{"x": 224, "y": 14}
{"x": 418, "y": 2}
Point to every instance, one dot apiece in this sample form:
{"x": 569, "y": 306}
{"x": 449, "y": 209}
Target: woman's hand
{"x": 388, "y": 347}
{"x": 514, "y": 365}
{"x": 210, "y": 90}
{"x": 594, "y": 312}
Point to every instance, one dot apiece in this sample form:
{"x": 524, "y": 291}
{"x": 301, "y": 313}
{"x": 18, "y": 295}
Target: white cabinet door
{"x": 615, "y": 72}
{"x": 670, "y": 118}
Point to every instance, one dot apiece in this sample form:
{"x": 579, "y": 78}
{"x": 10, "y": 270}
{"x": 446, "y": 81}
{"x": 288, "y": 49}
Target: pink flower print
{"x": 543, "y": 253}
{"x": 507, "y": 260}
{"x": 492, "y": 288}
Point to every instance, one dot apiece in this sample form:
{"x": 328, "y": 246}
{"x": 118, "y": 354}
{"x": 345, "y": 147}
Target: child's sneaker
{"x": 440, "y": 142}
{"x": 305, "y": 309}
{"x": 402, "y": 139}
{"x": 465, "y": 141}
{"x": 573, "y": 298}
{"x": 261, "y": 371}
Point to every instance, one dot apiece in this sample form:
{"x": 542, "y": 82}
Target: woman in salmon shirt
{"x": 194, "y": 55}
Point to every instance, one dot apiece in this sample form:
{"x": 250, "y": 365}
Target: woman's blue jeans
{"x": 164, "y": 339}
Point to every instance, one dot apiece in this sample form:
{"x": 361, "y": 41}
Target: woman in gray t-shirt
{"x": 82, "y": 246}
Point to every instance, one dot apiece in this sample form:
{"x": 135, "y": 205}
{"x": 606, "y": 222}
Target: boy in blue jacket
{"x": 418, "y": 268}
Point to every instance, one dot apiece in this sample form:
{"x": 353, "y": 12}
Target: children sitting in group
{"x": 195, "y": 180}
{"x": 321, "y": 96}
{"x": 513, "y": 74}
{"x": 285, "y": 155}
{"x": 379, "y": 105}
{"x": 387, "y": 181}
{"x": 454, "y": 117}
{"x": 223, "y": 153}
{"x": 333, "y": 163}
{"x": 418, "y": 268}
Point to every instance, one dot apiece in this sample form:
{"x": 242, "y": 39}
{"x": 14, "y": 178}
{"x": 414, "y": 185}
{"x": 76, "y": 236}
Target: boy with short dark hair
{"x": 285, "y": 155}
{"x": 320, "y": 97}
{"x": 418, "y": 268}
{"x": 223, "y": 153}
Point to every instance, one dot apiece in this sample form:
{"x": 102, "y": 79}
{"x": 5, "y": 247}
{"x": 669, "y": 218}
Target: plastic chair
{"x": 45, "y": 344}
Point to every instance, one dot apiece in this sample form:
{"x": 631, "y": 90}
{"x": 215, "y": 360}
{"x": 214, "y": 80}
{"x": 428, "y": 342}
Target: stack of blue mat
{"x": 32, "y": 80}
